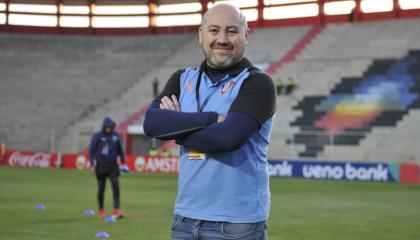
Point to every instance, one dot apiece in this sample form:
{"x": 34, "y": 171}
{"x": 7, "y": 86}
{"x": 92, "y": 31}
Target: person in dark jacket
{"x": 104, "y": 150}
{"x": 290, "y": 86}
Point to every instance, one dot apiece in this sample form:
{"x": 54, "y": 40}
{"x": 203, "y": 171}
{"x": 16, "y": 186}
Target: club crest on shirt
{"x": 188, "y": 85}
{"x": 227, "y": 86}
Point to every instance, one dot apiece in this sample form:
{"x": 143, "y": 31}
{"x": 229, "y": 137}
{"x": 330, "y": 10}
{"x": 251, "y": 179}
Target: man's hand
{"x": 125, "y": 168}
{"x": 92, "y": 169}
{"x": 170, "y": 104}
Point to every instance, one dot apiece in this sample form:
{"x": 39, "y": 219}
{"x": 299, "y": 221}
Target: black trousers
{"x": 113, "y": 175}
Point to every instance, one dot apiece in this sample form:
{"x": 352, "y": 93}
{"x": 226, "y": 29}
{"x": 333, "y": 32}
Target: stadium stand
{"x": 340, "y": 60}
{"x": 54, "y": 82}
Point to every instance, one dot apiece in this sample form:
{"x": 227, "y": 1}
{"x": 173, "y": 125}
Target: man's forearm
{"x": 167, "y": 124}
{"x": 226, "y": 136}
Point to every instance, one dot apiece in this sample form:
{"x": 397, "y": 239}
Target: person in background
{"x": 279, "y": 86}
{"x": 290, "y": 86}
{"x": 165, "y": 153}
{"x": 104, "y": 150}
{"x": 153, "y": 152}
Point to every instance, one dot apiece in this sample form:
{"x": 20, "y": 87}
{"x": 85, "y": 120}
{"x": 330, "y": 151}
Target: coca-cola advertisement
{"x": 75, "y": 161}
{"x": 30, "y": 159}
{"x": 136, "y": 163}
{"x": 403, "y": 173}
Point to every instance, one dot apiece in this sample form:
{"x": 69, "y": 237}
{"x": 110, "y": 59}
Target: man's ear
{"x": 200, "y": 35}
{"x": 247, "y": 35}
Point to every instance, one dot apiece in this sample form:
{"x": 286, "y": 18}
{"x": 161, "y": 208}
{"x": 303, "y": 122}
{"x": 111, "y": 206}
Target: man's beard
{"x": 214, "y": 63}
{"x": 220, "y": 64}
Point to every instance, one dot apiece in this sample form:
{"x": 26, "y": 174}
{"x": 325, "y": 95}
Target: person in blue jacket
{"x": 104, "y": 150}
{"x": 221, "y": 114}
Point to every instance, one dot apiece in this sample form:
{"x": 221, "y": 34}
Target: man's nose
{"x": 222, "y": 38}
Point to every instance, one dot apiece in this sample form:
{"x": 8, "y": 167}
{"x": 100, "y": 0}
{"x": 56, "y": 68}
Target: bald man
{"x": 220, "y": 114}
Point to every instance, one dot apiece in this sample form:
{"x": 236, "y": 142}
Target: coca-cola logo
{"x": 37, "y": 159}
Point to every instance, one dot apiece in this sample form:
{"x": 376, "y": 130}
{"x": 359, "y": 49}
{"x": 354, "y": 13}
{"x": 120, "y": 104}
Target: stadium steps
{"x": 346, "y": 54}
{"x": 77, "y": 137}
{"x": 51, "y": 82}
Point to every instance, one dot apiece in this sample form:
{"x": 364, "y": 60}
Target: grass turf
{"x": 301, "y": 209}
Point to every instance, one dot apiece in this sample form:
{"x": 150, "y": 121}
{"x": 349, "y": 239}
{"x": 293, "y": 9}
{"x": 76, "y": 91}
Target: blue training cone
{"x": 40, "y": 206}
{"x": 90, "y": 212}
{"x": 102, "y": 235}
{"x": 110, "y": 219}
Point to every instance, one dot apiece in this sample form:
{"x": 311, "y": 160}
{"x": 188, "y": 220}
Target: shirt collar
{"x": 232, "y": 70}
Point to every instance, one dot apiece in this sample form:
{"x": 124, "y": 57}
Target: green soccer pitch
{"x": 301, "y": 209}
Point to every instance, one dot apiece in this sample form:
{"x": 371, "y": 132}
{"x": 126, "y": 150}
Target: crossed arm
{"x": 202, "y": 131}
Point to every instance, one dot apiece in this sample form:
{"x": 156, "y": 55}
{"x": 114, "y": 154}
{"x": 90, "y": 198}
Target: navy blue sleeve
{"x": 167, "y": 124}
{"x": 92, "y": 149}
{"x": 120, "y": 151}
{"x": 257, "y": 97}
{"x": 226, "y": 136}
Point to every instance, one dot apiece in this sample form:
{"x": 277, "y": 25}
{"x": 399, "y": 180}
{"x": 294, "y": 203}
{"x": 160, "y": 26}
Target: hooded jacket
{"x": 106, "y": 147}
